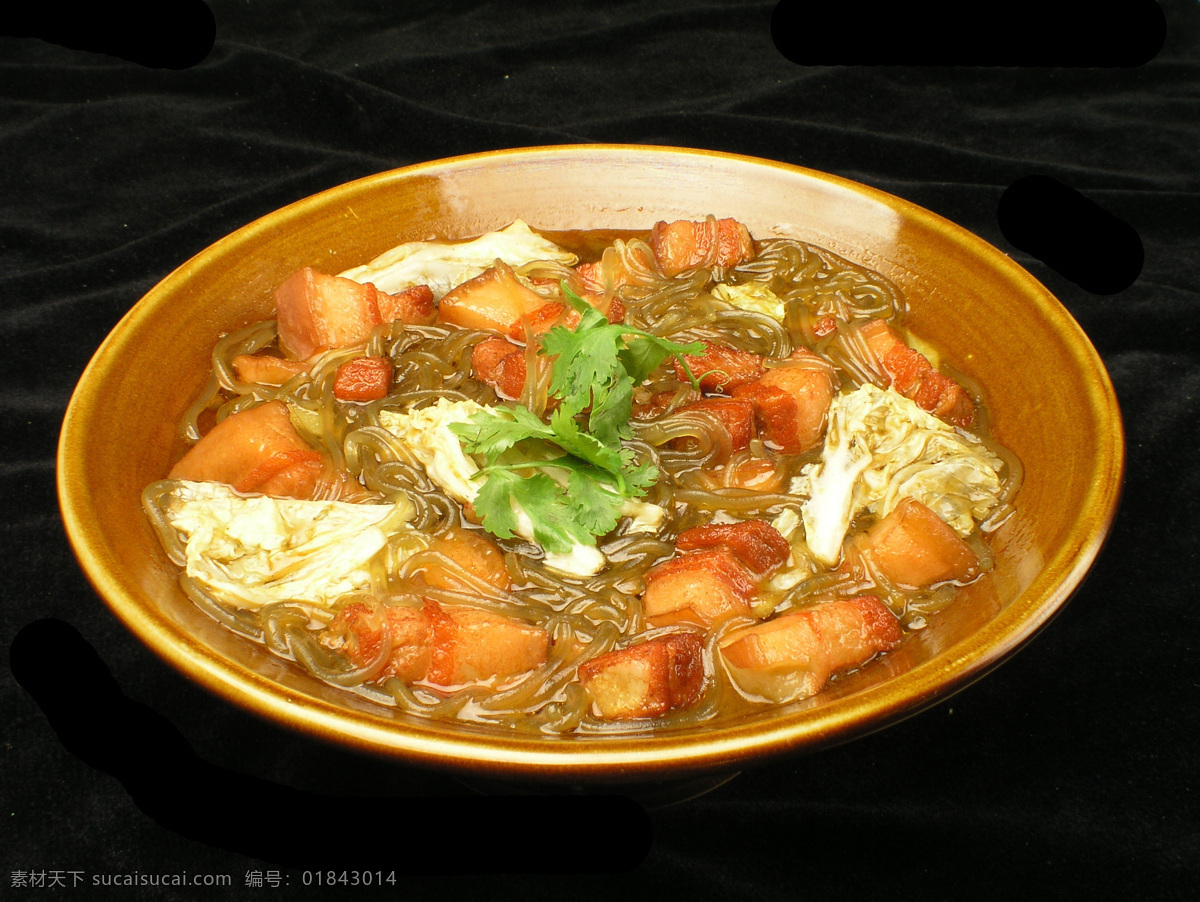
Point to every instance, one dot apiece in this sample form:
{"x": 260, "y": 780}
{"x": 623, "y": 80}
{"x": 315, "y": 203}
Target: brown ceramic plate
{"x": 992, "y": 318}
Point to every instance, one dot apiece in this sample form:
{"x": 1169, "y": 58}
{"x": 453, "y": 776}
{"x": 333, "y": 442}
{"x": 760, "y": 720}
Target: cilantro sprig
{"x": 598, "y": 364}
{"x": 570, "y": 474}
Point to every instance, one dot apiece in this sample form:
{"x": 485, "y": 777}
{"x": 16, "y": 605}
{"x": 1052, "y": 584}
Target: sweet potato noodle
{"x": 692, "y": 450}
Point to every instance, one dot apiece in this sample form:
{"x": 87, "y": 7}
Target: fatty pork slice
{"x": 791, "y": 402}
{"x": 682, "y": 245}
{"x": 316, "y": 312}
{"x": 556, "y": 313}
{"x": 441, "y": 645}
{"x": 914, "y": 547}
{"x": 745, "y": 471}
{"x": 702, "y": 588}
{"x": 649, "y": 679}
{"x": 501, "y": 364}
{"x": 266, "y": 369}
{"x": 720, "y": 368}
{"x": 399, "y": 634}
{"x": 471, "y": 645}
{"x": 467, "y": 552}
{"x": 756, "y": 543}
{"x": 793, "y": 655}
{"x": 911, "y": 374}
{"x": 414, "y": 306}
{"x": 363, "y": 379}
{"x": 256, "y": 450}
{"x": 494, "y": 300}
{"x": 594, "y": 279}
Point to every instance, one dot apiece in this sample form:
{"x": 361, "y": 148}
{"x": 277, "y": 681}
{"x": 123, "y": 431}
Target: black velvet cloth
{"x": 1068, "y": 773}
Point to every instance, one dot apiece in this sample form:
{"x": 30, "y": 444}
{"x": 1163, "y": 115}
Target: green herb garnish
{"x": 570, "y": 475}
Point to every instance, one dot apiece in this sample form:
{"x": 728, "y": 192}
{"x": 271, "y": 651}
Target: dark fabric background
{"x": 1066, "y": 774}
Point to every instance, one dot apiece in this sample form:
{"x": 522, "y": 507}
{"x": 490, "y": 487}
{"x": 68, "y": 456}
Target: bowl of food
{"x": 591, "y": 464}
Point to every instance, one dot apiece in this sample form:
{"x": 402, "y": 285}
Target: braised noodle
{"x": 585, "y": 616}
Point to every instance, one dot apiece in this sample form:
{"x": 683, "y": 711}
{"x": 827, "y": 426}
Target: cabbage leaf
{"x": 253, "y": 550}
{"x": 880, "y": 448}
{"x": 442, "y": 265}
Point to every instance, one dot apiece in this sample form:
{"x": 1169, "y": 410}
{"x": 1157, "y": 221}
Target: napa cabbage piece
{"x": 754, "y": 297}
{"x": 442, "y": 265}
{"x": 253, "y": 550}
{"x": 881, "y": 447}
{"x": 427, "y": 435}
{"x": 799, "y": 564}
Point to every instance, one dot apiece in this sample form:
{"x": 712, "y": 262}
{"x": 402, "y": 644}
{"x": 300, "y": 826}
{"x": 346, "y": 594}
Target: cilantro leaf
{"x": 566, "y": 484}
{"x": 596, "y": 504}
{"x": 597, "y": 365}
{"x": 573, "y": 440}
{"x": 493, "y": 503}
{"x": 494, "y": 430}
{"x": 644, "y": 353}
{"x": 552, "y": 513}
{"x": 639, "y": 479}
{"x": 586, "y": 364}
{"x": 560, "y": 517}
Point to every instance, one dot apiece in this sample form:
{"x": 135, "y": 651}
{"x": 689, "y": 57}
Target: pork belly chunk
{"x": 474, "y": 552}
{"x": 793, "y": 655}
{"x": 649, "y": 679}
{"x": 746, "y": 472}
{"x": 316, "y": 312}
{"x": 363, "y": 379}
{"x": 413, "y": 305}
{"x": 495, "y": 300}
{"x": 720, "y": 368}
{"x": 912, "y": 375}
{"x": 735, "y": 415}
{"x": 359, "y": 632}
{"x": 256, "y": 450}
{"x": 443, "y": 646}
{"x": 915, "y": 547}
{"x": 592, "y": 277}
{"x": 557, "y": 313}
{"x": 501, "y": 364}
{"x": 470, "y": 645}
{"x": 682, "y": 245}
{"x": 791, "y": 402}
{"x": 267, "y": 369}
{"x": 702, "y": 588}
{"x": 756, "y": 543}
